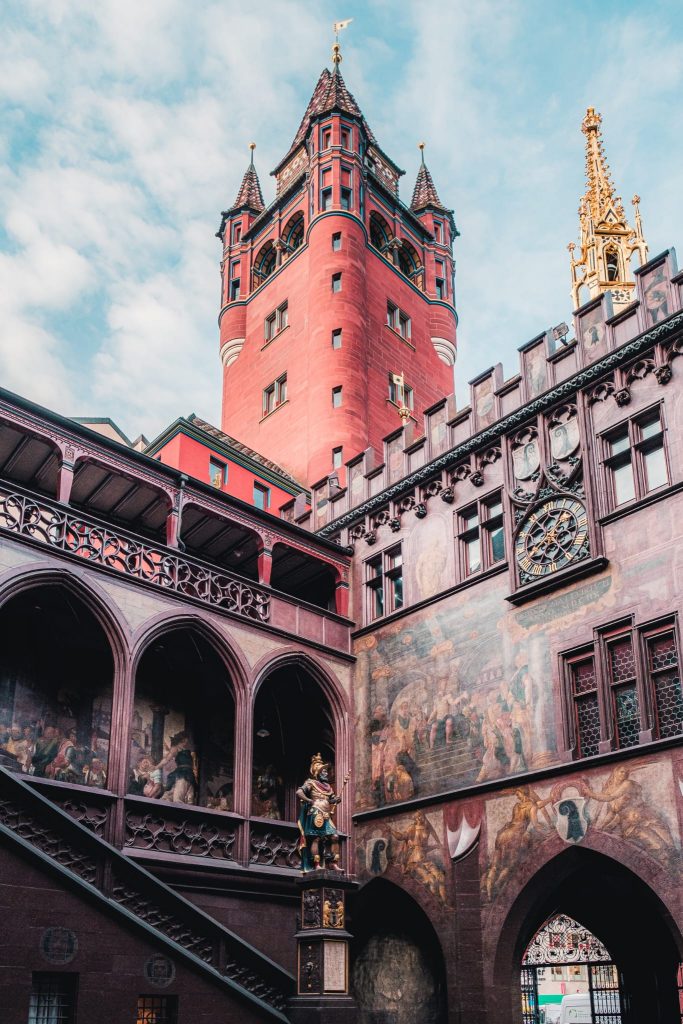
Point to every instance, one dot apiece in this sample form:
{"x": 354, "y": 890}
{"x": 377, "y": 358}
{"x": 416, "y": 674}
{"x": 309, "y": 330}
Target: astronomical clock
{"x": 553, "y": 536}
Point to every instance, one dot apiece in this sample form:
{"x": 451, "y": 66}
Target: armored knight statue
{"x": 319, "y": 841}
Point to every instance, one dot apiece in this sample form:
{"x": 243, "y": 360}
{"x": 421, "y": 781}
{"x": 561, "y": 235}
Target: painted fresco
{"x": 535, "y": 370}
{"x": 411, "y": 849}
{"x": 166, "y": 762}
{"x": 593, "y": 332}
{"x": 633, "y": 802}
{"x": 448, "y": 699}
{"x": 656, "y": 295}
{"x": 61, "y": 735}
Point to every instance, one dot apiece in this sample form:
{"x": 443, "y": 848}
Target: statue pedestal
{"x": 323, "y": 951}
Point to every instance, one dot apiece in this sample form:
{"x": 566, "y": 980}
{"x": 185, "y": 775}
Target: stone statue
{"x": 319, "y": 841}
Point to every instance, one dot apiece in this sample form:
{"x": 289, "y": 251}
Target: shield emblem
{"x": 376, "y": 855}
{"x": 564, "y": 439}
{"x": 571, "y": 818}
{"x": 526, "y": 459}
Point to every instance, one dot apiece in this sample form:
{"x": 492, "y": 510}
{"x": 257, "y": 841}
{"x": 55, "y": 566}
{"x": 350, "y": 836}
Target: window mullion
{"x": 605, "y": 705}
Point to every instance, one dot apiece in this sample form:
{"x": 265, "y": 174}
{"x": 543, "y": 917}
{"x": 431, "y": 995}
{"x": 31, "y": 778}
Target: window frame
{"x": 336, "y": 338}
{"x": 483, "y": 530}
{"x": 259, "y": 488}
{"x": 170, "y": 1009}
{"x": 337, "y": 457}
{"x": 58, "y": 983}
{"x": 638, "y": 449}
{"x": 278, "y": 390}
{"x": 326, "y": 198}
{"x": 399, "y": 322}
{"x": 336, "y": 280}
{"x": 408, "y": 394}
{"x": 222, "y": 468}
{"x": 383, "y": 580}
{"x": 649, "y": 718}
{"x": 276, "y": 322}
{"x": 336, "y": 241}
{"x": 337, "y": 391}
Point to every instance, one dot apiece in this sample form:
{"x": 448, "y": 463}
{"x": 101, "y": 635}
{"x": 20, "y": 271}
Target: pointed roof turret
{"x": 250, "y": 195}
{"x": 424, "y": 193}
{"x": 329, "y": 94}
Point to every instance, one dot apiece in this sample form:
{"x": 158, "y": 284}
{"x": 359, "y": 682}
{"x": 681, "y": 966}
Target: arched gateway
{"x": 564, "y": 961}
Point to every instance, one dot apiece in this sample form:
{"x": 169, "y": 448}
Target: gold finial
{"x": 252, "y": 147}
{"x": 337, "y": 26}
{"x": 421, "y": 147}
{"x": 635, "y": 200}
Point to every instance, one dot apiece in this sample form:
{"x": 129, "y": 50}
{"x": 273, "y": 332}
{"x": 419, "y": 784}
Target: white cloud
{"x": 128, "y": 124}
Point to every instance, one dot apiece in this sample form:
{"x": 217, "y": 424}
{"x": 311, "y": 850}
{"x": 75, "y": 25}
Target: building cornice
{"x": 487, "y": 437}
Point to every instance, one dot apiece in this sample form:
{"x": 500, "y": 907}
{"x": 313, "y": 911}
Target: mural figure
{"x": 152, "y": 778}
{"x": 418, "y": 856}
{"x": 536, "y": 371}
{"x": 630, "y": 814}
{"x": 593, "y": 328}
{"x": 319, "y": 840}
{"x": 485, "y": 403}
{"x": 618, "y": 805}
{"x": 379, "y": 734}
{"x": 656, "y": 298}
{"x": 515, "y": 838}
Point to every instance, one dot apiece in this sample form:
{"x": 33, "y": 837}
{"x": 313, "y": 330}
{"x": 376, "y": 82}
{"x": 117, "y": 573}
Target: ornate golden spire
{"x": 607, "y": 241}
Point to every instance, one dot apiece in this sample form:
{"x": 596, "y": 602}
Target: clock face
{"x": 551, "y": 538}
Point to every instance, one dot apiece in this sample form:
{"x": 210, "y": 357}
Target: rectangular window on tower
{"x": 336, "y": 397}
{"x": 275, "y": 395}
{"x": 326, "y": 137}
{"x": 325, "y": 198}
{"x": 400, "y": 393}
{"x": 276, "y": 322}
{"x": 346, "y": 198}
{"x": 337, "y": 457}
{"x": 336, "y": 241}
{"x": 440, "y": 284}
{"x": 337, "y": 338}
{"x": 234, "y": 289}
{"x": 438, "y": 230}
{"x": 336, "y": 282}
{"x": 346, "y": 137}
{"x": 398, "y": 321}
{"x": 236, "y": 233}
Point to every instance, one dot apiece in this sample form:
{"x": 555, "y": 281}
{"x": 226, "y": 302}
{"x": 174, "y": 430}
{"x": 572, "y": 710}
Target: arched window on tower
{"x": 409, "y": 263}
{"x": 380, "y": 233}
{"x": 265, "y": 263}
{"x": 612, "y": 264}
{"x": 293, "y": 233}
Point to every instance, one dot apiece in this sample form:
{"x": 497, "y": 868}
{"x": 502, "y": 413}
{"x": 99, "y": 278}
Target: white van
{"x": 576, "y": 1009}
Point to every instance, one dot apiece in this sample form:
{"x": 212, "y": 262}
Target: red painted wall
{"x": 301, "y": 434}
{"x": 191, "y": 457}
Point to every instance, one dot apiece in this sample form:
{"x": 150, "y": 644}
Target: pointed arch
{"x": 397, "y": 957}
{"x": 381, "y": 234}
{"x": 409, "y": 261}
{"x": 265, "y": 263}
{"x": 293, "y": 232}
{"x": 610, "y": 898}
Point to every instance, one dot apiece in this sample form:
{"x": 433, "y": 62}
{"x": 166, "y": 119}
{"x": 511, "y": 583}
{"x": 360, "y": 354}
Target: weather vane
{"x": 337, "y": 26}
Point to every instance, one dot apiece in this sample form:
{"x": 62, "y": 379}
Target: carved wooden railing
{"x": 36, "y": 519}
{"x": 51, "y": 832}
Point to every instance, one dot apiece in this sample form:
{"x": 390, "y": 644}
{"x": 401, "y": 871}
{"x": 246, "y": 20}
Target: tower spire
{"x": 249, "y": 194}
{"x": 424, "y": 193}
{"x": 607, "y": 240}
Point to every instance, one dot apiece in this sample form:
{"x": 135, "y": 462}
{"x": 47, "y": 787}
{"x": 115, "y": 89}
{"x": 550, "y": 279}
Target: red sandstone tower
{"x": 331, "y": 292}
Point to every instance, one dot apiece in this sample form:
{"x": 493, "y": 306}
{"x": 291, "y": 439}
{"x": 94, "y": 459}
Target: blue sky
{"x": 125, "y": 132}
